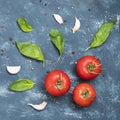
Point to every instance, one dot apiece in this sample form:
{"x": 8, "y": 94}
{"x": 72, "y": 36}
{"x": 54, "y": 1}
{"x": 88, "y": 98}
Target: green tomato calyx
{"x": 59, "y": 83}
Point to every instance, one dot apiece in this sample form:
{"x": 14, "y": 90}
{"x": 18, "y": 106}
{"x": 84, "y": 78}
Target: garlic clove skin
{"x": 58, "y": 18}
{"x": 77, "y": 25}
{"x": 13, "y": 69}
{"x": 38, "y": 107}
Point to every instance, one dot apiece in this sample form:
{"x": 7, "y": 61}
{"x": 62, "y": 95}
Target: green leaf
{"x": 21, "y": 85}
{"x": 24, "y": 25}
{"x": 58, "y": 40}
{"x": 102, "y": 34}
{"x": 30, "y": 50}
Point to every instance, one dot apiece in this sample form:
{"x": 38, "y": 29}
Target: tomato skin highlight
{"x": 57, "y": 83}
{"x": 88, "y": 67}
{"x": 84, "y": 94}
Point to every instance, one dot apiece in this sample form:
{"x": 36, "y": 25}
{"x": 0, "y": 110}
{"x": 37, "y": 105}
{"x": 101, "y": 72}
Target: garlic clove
{"x": 40, "y": 106}
{"x": 76, "y": 26}
{"x": 13, "y": 69}
{"x": 58, "y": 18}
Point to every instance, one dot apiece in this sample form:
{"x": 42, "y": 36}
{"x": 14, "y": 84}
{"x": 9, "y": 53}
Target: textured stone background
{"x": 91, "y": 13}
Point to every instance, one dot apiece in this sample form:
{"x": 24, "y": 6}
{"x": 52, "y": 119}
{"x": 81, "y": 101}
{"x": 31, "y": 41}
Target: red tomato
{"x": 88, "y": 67}
{"x": 57, "y": 83}
{"x": 84, "y": 94}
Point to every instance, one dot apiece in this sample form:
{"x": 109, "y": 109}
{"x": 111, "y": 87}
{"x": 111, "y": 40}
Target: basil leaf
{"x": 24, "y": 25}
{"x": 21, "y": 85}
{"x": 102, "y": 34}
{"x": 30, "y": 50}
{"x": 58, "y": 41}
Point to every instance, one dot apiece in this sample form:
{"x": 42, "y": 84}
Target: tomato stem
{"x": 85, "y": 93}
{"x": 59, "y": 83}
{"x": 92, "y": 67}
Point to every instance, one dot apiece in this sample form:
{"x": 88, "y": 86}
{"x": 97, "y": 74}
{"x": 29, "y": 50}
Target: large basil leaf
{"x": 58, "y": 40}
{"x": 30, "y": 50}
{"x": 21, "y": 85}
{"x": 102, "y": 34}
{"x": 24, "y": 25}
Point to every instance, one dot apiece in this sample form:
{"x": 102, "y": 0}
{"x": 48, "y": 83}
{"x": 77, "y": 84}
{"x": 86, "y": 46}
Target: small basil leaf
{"x": 102, "y": 34}
{"x": 30, "y": 50}
{"x": 24, "y": 25}
{"x": 21, "y": 85}
{"x": 58, "y": 40}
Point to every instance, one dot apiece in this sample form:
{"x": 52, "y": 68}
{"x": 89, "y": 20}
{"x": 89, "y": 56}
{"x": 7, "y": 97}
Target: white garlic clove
{"x": 13, "y": 69}
{"x": 40, "y": 106}
{"x": 76, "y": 26}
{"x": 58, "y": 18}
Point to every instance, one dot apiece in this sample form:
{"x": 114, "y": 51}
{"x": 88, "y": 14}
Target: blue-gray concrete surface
{"x": 91, "y": 13}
